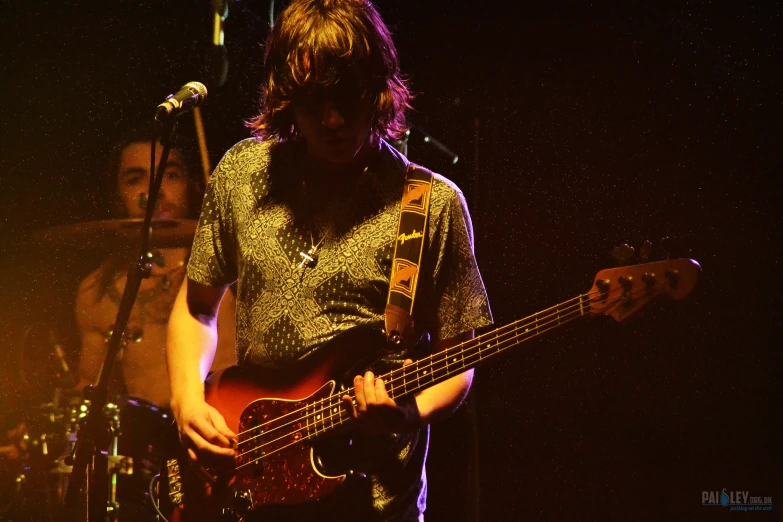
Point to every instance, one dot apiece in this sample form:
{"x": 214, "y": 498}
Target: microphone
{"x": 191, "y": 95}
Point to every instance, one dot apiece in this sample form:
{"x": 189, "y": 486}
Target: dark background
{"x": 578, "y": 128}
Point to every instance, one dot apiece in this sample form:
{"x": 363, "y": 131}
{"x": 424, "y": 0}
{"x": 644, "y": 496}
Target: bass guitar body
{"x": 277, "y": 416}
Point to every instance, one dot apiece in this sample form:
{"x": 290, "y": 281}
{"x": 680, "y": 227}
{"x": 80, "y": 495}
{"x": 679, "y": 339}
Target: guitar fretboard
{"x": 323, "y": 415}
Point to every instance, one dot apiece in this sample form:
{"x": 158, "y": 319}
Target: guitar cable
{"x": 154, "y": 499}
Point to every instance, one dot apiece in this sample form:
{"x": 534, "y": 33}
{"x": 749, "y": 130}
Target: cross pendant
{"x": 309, "y": 259}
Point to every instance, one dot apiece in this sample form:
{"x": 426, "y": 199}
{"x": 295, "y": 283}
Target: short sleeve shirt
{"x": 287, "y": 310}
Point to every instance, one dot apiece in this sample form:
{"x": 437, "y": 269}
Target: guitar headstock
{"x": 620, "y": 292}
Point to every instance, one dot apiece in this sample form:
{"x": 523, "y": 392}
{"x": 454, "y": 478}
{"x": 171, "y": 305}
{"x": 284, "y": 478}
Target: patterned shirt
{"x": 252, "y": 231}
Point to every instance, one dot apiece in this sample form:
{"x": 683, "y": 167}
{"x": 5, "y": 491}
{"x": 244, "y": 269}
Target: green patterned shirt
{"x": 251, "y": 232}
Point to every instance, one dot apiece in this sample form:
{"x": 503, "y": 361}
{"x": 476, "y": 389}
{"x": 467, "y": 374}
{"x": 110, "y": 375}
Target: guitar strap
{"x": 408, "y": 248}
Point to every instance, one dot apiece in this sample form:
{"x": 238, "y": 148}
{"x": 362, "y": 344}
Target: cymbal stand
{"x": 117, "y": 464}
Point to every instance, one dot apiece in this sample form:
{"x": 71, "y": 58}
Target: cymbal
{"x": 120, "y": 234}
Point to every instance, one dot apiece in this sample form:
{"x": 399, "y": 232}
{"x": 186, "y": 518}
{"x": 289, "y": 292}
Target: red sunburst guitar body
{"x": 288, "y": 476}
{"x": 273, "y": 413}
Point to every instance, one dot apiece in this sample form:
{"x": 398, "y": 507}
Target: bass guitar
{"x": 283, "y": 421}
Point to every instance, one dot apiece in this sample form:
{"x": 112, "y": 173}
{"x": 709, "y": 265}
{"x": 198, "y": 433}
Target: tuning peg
{"x": 645, "y": 250}
{"x": 622, "y": 254}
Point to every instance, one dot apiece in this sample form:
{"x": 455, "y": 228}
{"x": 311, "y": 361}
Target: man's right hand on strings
{"x": 203, "y": 431}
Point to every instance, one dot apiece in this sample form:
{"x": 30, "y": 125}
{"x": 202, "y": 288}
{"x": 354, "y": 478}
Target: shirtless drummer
{"x": 143, "y": 361}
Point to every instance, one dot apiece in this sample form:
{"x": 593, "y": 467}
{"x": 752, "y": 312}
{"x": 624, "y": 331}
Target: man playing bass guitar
{"x": 304, "y": 217}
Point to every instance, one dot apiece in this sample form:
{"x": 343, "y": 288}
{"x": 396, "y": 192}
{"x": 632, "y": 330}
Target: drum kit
{"x": 36, "y": 450}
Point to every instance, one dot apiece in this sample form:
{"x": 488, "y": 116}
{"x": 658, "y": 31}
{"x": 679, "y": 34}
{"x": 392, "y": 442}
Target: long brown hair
{"x": 342, "y": 44}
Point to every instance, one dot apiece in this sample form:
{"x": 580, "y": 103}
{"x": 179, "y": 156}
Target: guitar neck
{"x": 324, "y": 414}
{"x": 617, "y": 293}
{"x": 443, "y": 365}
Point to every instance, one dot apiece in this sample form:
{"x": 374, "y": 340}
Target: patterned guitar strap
{"x": 408, "y": 248}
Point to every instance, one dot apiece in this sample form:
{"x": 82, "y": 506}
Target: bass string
{"x": 335, "y": 399}
{"x": 500, "y": 346}
{"x": 459, "y": 347}
{"x": 311, "y": 435}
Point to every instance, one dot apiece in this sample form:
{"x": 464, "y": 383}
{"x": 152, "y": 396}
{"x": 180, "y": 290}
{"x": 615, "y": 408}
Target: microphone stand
{"x": 86, "y": 475}
{"x": 440, "y": 147}
{"x": 401, "y": 144}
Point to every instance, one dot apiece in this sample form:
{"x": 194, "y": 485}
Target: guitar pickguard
{"x": 287, "y": 472}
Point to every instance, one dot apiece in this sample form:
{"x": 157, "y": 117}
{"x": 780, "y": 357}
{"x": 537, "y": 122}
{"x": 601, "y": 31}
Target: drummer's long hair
{"x": 341, "y": 45}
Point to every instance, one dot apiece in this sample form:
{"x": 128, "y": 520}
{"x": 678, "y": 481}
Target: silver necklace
{"x": 309, "y": 258}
